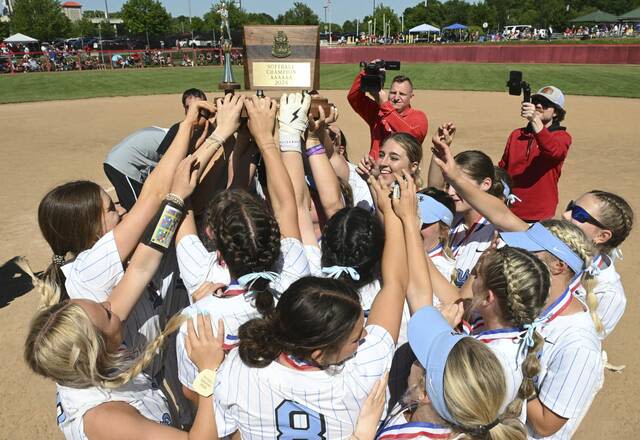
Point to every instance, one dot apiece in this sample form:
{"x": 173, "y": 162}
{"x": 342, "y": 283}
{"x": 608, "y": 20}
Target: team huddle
{"x": 255, "y": 283}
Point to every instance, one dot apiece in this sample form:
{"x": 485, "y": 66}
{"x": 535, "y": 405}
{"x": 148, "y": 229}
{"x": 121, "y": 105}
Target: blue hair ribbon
{"x": 335, "y": 272}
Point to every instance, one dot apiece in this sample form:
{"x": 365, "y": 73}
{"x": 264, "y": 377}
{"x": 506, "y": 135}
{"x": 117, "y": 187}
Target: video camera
{"x": 374, "y": 74}
{"x": 517, "y": 86}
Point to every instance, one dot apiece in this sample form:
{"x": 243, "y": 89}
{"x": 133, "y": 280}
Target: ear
{"x": 414, "y": 168}
{"x": 602, "y": 237}
{"x": 317, "y": 356}
{"x": 209, "y": 231}
{"x": 485, "y": 185}
{"x": 557, "y": 267}
{"x": 489, "y": 299}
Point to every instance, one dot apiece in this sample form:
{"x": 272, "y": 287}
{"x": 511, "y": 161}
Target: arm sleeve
{"x": 366, "y": 107}
{"x": 96, "y": 271}
{"x": 168, "y": 138}
{"x": 572, "y": 381}
{"x": 292, "y": 264}
{"x": 555, "y": 144}
{"x": 414, "y": 122}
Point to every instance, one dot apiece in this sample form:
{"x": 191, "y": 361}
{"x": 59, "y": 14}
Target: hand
{"x": 186, "y": 177}
{"x": 367, "y": 168}
{"x": 203, "y": 348}
{"x": 293, "y": 119}
{"x": 371, "y": 411}
{"x": 333, "y": 115}
{"x": 444, "y": 159}
{"x": 382, "y": 194}
{"x": 382, "y": 96}
{"x": 207, "y": 288}
{"x": 318, "y": 126}
{"x": 446, "y": 132}
{"x": 228, "y": 116}
{"x": 262, "y": 119}
{"x": 194, "y": 114}
{"x": 406, "y": 207}
{"x": 452, "y": 313}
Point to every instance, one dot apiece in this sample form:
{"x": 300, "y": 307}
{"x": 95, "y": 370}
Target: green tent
{"x": 631, "y": 16}
{"x": 596, "y": 17}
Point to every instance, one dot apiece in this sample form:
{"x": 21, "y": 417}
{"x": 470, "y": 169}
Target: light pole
{"x": 329, "y": 6}
{"x": 190, "y": 23}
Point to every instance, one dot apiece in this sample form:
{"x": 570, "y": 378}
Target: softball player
{"x": 305, "y": 371}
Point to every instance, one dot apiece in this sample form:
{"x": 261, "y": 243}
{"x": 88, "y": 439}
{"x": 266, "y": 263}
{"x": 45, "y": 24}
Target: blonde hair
{"x": 578, "y": 242}
{"x": 64, "y": 345}
{"x": 474, "y": 390}
{"x": 521, "y": 282}
{"x": 616, "y": 214}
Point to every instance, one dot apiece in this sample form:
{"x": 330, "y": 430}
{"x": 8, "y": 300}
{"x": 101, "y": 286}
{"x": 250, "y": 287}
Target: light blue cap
{"x": 431, "y": 338}
{"x": 538, "y": 238}
{"x": 431, "y": 211}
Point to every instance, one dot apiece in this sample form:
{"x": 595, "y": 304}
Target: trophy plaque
{"x": 283, "y": 58}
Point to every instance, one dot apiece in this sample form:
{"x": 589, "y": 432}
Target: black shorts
{"x": 126, "y": 188}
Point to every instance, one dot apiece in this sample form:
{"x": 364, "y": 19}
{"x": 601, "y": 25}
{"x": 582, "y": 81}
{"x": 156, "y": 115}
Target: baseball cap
{"x": 431, "y": 211}
{"x": 538, "y": 238}
{"x": 553, "y": 94}
{"x": 431, "y": 338}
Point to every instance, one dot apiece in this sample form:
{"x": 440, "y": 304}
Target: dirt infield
{"x": 44, "y": 144}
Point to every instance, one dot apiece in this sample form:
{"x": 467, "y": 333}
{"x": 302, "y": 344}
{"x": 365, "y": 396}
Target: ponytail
{"x": 258, "y": 348}
{"x": 51, "y": 286}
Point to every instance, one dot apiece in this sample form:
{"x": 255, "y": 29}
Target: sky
{"x": 341, "y": 10}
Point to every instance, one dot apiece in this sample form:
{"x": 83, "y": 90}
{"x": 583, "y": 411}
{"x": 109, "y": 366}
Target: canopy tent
{"x": 455, "y": 27}
{"x": 631, "y": 15}
{"x": 20, "y": 38}
{"x": 596, "y": 17}
{"x": 423, "y": 28}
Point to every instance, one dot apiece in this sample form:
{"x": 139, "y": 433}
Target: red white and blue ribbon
{"x": 560, "y": 304}
{"x": 503, "y": 333}
{"x": 436, "y": 251}
{"x": 455, "y": 247}
{"x": 296, "y": 362}
{"x": 412, "y": 430}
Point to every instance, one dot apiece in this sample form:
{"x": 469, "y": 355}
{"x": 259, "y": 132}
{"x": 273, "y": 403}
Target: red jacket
{"x": 384, "y": 119}
{"x": 534, "y": 162}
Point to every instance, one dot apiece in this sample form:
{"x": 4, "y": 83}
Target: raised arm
{"x": 489, "y": 206}
{"x": 445, "y": 134}
{"x": 262, "y": 113}
{"x": 386, "y": 310}
{"x": 419, "y": 290}
{"x": 127, "y": 233}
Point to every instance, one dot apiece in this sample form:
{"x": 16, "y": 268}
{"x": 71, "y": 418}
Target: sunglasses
{"x": 581, "y": 215}
{"x": 542, "y": 102}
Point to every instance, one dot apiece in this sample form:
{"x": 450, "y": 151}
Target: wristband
{"x": 171, "y": 197}
{"x": 162, "y": 228}
{"x": 317, "y": 149}
{"x": 204, "y": 382}
{"x": 290, "y": 142}
{"x": 214, "y": 137}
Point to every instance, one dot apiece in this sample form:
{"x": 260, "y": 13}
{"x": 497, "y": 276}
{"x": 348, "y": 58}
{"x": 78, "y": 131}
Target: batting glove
{"x": 293, "y": 119}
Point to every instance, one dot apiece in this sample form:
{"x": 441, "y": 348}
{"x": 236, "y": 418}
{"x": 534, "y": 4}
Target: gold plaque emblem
{"x": 281, "y": 47}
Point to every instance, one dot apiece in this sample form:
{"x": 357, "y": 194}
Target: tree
{"x": 145, "y": 16}
{"x": 84, "y": 28}
{"x": 259, "y": 18}
{"x": 41, "y": 19}
{"x": 382, "y": 13}
{"x": 298, "y": 14}
{"x": 349, "y": 26}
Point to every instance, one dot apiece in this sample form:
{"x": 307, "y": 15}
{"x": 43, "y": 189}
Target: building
{"x": 73, "y": 10}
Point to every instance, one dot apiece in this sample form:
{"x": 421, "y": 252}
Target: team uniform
{"x": 73, "y": 403}
{"x": 468, "y": 244}
{"x": 236, "y": 305}
{"x": 396, "y": 427}
{"x": 445, "y": 265}
{"x": 610, "y": 293}
{"x": 96, "y": 271}
{"x": 282, "y": 402}
{"x": 572, "y": 371}
{"x": 361, "y": 194}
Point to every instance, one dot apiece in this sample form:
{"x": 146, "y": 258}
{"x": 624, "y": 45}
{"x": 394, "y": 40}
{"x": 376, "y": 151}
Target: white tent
{"x": 423, "y": 28}
{"x": 20, "y": 38}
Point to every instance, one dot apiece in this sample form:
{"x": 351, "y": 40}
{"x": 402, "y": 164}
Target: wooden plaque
{"x": 281, "y": 57}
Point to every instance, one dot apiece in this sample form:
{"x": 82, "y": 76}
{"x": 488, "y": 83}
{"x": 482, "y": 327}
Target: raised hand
{"x": 186, "y": 177}
{"x": 444, "y": 159}
{"x": 203, "y": 348}
{"x": 367, "y": 167}
{"x": 228, "y": 116}
{"x": 262, "y": 119}
{"x": 293, "y": 119}
{"x": 406, "y": 206}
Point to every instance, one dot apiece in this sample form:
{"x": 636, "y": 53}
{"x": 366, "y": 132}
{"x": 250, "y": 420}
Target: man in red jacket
{"x": 534, "y": 155}
{"x": 388, "y": 114}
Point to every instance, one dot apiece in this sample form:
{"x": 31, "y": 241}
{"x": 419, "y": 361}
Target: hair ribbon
{"x": 508, "y": 195}
{"x": 530, "y": 329}
{"x": 250, "y": 278}
{"x": 616, "y": 254}
{"x": 335, "y": 272}
{"x": 593, "y": 269}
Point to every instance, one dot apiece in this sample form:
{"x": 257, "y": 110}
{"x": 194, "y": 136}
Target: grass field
{"x": 595, "y": 80}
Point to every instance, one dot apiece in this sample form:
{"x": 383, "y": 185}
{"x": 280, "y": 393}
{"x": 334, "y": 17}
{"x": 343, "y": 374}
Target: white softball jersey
{"x": 197, "y": 265}
{"x": 73, "y": 403}
{"x": 468, "y": 244}
{"x": 610, "y": 294}
{"x": 361, "y": 194}
{"x": 282, "y": 402}
{"x": 571, "y": 371}
{"x": 396, "y": 427}
{"x": 96, "y": 271}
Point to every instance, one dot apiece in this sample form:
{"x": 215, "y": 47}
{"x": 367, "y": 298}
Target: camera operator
{"x": 388, "y": 114}
{"x": 534, "y": 155}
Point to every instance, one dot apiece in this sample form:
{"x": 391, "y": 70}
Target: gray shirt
{"x": 137, "y": 154}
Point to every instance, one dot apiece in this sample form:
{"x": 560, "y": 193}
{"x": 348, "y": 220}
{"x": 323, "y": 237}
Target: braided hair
{"x": 617, "y": 215}
{"x": 246, "y": 234}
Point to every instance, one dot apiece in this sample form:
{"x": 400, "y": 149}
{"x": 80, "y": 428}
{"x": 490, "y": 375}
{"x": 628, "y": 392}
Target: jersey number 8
{"x": 294, "y": 421}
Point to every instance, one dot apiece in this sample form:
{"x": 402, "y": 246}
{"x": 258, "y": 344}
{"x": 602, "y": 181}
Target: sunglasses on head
{"x": 581, "y": 215}
{"x": 544, "y": 103}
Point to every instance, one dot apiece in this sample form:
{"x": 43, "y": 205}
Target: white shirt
{"x": 361, "y": 194}
{"x": 445, "y": 265}
{"x": 73, "y": 403}
{"x": 264, "y": 403}
{"x": 571, "y": 371}
{"x": 468, "y": 244}
{"x": 197, "y": 265}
